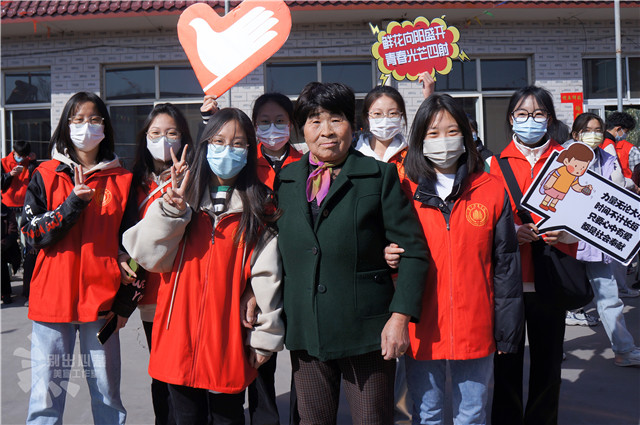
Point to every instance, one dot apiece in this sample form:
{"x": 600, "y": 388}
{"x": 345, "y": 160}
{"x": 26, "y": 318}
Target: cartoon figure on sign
{"x": 576, "y": 160}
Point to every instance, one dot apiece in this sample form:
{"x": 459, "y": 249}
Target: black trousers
{"x": 263, "y": 409}
{"x": 162, "y": 407}
{"x": 195, "y": 406}
{"x": 545, "y": 329}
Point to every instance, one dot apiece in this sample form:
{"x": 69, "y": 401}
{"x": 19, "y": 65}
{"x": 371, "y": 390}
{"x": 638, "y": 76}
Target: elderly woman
{"x": 345, "y": 317}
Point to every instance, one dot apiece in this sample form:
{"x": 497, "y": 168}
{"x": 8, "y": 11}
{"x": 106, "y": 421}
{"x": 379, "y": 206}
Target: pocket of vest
{"x": 373, "y": 293}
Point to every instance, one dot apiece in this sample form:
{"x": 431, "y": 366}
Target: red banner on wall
{"x": 575, "y": 99}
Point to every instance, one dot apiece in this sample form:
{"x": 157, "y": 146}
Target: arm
{"x": 402, "y": 227}
{"x": 153, "y": 242}
{"x": 267, "y": 336}
{"x": 6, "y": 180}
{"x": 507, "y": 283}
{"x": 42, "y": 227}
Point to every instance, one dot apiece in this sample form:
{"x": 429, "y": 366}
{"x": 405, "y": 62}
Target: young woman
{"x": 472, "y": 304}
{"x": 211, "y": 237}
{"x": 73, "y": 211}
{"x": 272, "y": 116}
{"x": 164, "y": 138}
{"x": 384, "y": 116}
{"x": 532, "y": 117}
{"x": 588, "y": 129}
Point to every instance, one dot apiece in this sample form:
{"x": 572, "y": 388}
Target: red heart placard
{"x": 223, "y": 50}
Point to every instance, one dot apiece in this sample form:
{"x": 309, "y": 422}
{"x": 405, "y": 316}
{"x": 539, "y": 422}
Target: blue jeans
{"x": 610, "y": 306}
{"x": 470, "y": 382}
{"x": 52, "y": 356}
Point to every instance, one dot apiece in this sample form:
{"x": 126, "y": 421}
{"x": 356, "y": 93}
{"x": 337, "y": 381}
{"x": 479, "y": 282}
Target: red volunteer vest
{"x": 78, "y": 276}
{"x": 266, "y": 174}
{"x": 15, "y": 193}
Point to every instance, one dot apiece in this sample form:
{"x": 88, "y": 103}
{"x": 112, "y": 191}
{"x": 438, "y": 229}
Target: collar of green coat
{"x": 356, "y": 164}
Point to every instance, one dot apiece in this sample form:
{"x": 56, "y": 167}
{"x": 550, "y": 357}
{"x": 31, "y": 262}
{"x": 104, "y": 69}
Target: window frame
{"x": 9, "y": 108}
{"x": 597, "y": 103}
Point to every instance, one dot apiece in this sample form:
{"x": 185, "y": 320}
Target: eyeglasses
{"x": 79, "y": 119}
{"x": 171, "y": 134}
{"x": 242, "y": 144}
{"x": 521, "y": 115}
{"x": 264, "y": 125}
{"x": 390, "y": 114}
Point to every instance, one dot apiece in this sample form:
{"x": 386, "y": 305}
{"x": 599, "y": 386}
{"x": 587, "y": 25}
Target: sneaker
{"x": 628, "y": 293}
{"x": 580, "y": 318}
{"x": 632, "y": 358}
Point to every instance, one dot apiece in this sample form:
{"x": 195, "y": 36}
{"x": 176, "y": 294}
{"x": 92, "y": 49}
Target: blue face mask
{"x": 622, "y": 136}
{"x": 225, "y": 161}
{"x": 530, "y": 132}
{"x": 18, "y": 158}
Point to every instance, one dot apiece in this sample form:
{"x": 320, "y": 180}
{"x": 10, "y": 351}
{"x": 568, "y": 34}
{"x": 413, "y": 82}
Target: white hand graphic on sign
{"x": 235, "y": 44}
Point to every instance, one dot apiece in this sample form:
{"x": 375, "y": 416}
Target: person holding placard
{"x": 163, "y": 139}
{"x": 587, "y": 128}
{"x": 73, "y": 210}
{"x": 532, "y": 118}
{"x": 472, "y": 305}
{"x": 212, "y": 236}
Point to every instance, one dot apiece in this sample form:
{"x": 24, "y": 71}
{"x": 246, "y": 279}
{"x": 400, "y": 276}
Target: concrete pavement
{"x": 594, "y": 391}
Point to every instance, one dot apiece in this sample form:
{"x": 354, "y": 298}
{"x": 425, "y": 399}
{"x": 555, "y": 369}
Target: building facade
{"x": 128, "y": 52}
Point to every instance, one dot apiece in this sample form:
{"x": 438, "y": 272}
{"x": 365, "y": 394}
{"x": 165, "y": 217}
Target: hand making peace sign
{"x": 175, "y": 194}
{"x": 180, "y": 166}
{"x": 81, "y": 190}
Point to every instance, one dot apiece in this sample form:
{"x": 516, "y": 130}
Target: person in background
{"x": 10, "y": 251}
{"x": 163, "y": 139}
{"x": 17, "y": 168}
{"x": 73, "y": 212}
{"x": 532, "y": 118}
{"x": 482, "y": 149}
{"x": 472, "y": 305}
{"x": 588, "y": 129}
{"x": 345, "y": 320}
{"x": 212, "y": 236}
{"x": 617, "y": 126}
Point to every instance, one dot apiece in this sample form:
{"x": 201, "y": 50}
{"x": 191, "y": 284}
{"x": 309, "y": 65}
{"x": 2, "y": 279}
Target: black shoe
{"x": 6, "y": 299}
{"x": 636, "y": 285}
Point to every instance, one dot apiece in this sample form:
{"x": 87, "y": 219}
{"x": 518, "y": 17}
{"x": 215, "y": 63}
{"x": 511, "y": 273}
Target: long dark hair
{"x": 415, "y": 163}
{"x": 582, "y": 121}
{"x": 61, "y": 138}
{"x": 556, "y": 130}
{"x": 258, "y": 209}
{"x": 143, "y": 163}
{"x": 375, "y": 94}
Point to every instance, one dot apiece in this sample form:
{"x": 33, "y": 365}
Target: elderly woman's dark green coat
{"x": 338, "y": 291}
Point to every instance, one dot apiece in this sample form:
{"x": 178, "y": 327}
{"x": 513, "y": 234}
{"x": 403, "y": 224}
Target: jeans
{"x": 51, "y": 359}
{"x": 469, "y": 379}
{"x": 609, "y": 305}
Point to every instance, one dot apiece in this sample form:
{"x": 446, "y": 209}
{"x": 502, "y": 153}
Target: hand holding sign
{"x": 222, "y": 51}
{"x": 572, "y": 198}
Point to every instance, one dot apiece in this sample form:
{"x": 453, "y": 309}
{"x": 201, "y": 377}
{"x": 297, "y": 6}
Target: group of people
{"x": 370, "y": 251}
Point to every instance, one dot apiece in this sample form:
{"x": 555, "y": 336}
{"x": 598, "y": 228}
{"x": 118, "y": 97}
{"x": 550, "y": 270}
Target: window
{"x": 27, "y": 109}
{"x": 132, "y": 91}
{"x": 600, "y": 80}
{"x": 290, "y": 77}
{"x": 462, "y": 77}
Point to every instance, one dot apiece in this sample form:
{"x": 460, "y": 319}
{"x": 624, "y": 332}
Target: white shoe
{"x": 632, "y": 358}
{"x": 580, "y": 318}
{"x": 628, "y": 293}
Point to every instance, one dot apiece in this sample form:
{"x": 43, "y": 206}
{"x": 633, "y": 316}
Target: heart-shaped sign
{"x": 223, "y": 50}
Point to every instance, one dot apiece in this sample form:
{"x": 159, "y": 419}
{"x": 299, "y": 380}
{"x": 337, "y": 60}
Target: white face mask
{"x": 443, "y": 151}
{"x": 86, "y": 137}
{"x": 273, "y": 137}
{"x": 385, "y": 128}
{"x": 160, "y": 147}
